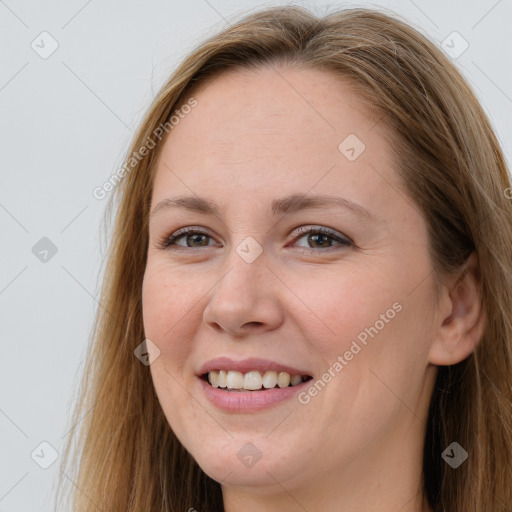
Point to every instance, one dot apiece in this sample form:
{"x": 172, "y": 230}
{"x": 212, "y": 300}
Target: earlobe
{"x": 461, "y": 318}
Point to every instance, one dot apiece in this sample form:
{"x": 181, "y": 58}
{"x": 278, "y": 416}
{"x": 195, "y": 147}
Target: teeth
{"x": 283, "y": 380}
{"x": 296, "y": 379}
{"x": 213, "y": 378}
{"x": 221, "y": 382}
{"x": 234, "y": 380}
{"x": 253, "y": 380}
{"x": 270, "y": 380}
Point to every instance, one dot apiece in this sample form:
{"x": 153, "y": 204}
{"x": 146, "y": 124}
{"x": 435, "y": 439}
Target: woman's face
{"x": 349, "y": 308}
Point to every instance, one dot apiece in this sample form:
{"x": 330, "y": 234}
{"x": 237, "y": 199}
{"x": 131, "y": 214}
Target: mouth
{"x": 250, "y": 385}
{"x": 253, "y": 380}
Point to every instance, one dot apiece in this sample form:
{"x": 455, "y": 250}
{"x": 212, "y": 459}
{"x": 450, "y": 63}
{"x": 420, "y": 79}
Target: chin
{"x": 238, "y": 475}
{"x": 242, "y": 463}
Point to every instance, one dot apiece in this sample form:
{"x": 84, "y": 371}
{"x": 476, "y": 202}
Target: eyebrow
{"x": 289, "y": 204}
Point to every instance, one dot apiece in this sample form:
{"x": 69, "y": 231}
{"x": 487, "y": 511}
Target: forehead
{"x": 272, "y": 131}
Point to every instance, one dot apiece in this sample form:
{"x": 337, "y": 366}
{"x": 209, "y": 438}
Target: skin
{"x": 256, "y": 136}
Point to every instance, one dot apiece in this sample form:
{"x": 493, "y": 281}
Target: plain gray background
{"x": 66, "y": 123}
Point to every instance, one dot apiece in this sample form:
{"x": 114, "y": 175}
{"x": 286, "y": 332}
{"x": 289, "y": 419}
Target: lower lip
{"x": 248, "y": 401}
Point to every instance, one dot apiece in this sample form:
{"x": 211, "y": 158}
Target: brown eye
{"x": 317, "y": 239}
{"x": 193, "y": 238}
{"x": 322, "y": 238}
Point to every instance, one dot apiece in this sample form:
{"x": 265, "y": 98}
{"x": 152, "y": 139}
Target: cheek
{"x": 155, "y": 303}
{"x": 338, "y": 308}
{"x": 170, "y": 311}
{"x": 368, "y": 318}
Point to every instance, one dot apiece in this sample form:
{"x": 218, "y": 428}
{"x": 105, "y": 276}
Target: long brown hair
{"x": 126, "y": 456}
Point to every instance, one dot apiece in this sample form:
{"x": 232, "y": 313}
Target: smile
{"x": 253, "y": 380}
{"x": 249, "y": 385}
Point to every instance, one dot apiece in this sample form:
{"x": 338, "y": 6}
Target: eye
{"x": 195, "y": 238}
{"x": 323, "y": 237}
{"x": 192, "y": 236}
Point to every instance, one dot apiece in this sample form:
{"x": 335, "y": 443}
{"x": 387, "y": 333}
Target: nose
{"x": 246, "y": 300}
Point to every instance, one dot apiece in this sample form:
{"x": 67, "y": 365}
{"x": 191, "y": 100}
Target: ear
{"x": 461, "y": 317}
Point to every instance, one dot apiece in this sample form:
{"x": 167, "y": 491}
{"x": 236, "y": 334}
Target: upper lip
{"x": 247, "y": 365}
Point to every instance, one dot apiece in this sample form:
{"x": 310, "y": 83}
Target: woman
{"x": 307, "y": 303}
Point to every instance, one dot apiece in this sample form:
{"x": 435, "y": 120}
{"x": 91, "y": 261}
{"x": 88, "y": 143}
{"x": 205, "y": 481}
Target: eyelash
{"x": 170, "y": 241}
